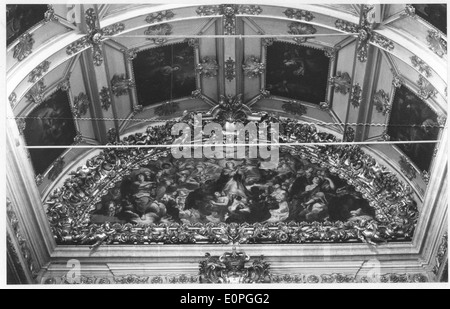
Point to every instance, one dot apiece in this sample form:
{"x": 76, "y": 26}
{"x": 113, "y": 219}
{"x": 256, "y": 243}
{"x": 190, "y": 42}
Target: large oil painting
{"x": 231, "y": 191}
{"x": 297, "y": 72}
{"x": 49, "y": 124}
{"x": 413, "y": 120}
{"x": 20, "y": 18}
{"x": 435, "y": 14}
{"x": 164, "y": 73}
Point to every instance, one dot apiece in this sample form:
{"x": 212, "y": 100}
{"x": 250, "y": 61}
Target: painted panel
{"x": 20, "y": 18}
{"x": 435, "y": 14}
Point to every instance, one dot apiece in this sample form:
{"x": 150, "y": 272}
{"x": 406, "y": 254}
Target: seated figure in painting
{"x": 238, "y": 211}
{"x": 282, "y": 212}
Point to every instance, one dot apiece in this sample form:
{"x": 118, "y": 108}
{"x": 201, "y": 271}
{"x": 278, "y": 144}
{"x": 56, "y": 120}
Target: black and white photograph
{"x": 192, "y": 144}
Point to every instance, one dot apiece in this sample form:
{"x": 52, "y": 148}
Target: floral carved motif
{"x": 297, "y": 28}
{"x": 342, "y": 82}
{"x": 253, "y": 67}
{"x": 437, "y": 43}
{"x": 382, "y": 102}
{"x": 407, "y": 168}
{"x": 80, "y": 105}
{"x": 105, "y": 98}
{"x": 230, "y": 69}
{"x": 36, "y": 93}
{"x": 38, "y": 72}
{"x": 420, "y": 65}
{"x": 24, "y": 48}
{"x": 299, "y": 14}
{"x": 208, "y": 67}
{"x": 120, "y": 85}
{"x": 158, "y": 31}
{"x": 159, "y": 16}
{"x": 426, "y": 89}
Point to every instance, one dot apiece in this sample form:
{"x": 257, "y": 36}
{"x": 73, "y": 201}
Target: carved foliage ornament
{"x": 382, "y": 41}
{"x": 159, "y": 16}
{"x": 295, "y": 108}
{"x": 12, "y": 99}
{"x": 49, "y": 15}
{"x": 426, "y": 89}
{"x": 268, "y": 41}
{"x": 342, "y": 82}
{"x": 407, "y": 168}
{"x": 299, "y": 14}
{"x": 113, "y": 29}
{"x": 409, "y": 11}
{"x": 331, "y": 52}
{"x": 297, "y": 28}
{"x": 158, "y": 31}
{"x": 382, "y": 102}
{"x": 398, "y": 81}
{"x": 230, "y": 69}
{"x": 120, "y": 85}
{"x": 64, "y": 85}
{"x": 420, "y": 65}
{"x": 346, "y": 26}
{"x": 80, "y": 105}
{"x": 105, "y": 98}
{"x": 253, "y": 67}
{"x": 38, "y": 72}
{"x": 193, "y": 42}
{"x": 24, "y": 48}
{"x": 356, "y": 95}
{"x": 36, "y": 93}
{"x": 349, "y": 134}
{"x": 231, "y": 268}
{"x": 111, "y": 135}
{"x": 437, "y": 43}
{"x": 231, "y": 109}
{"x": 167, "y": 109}
{"x": 208, "y": 67}
{"x": 441, "y": 253}
{"x": 131, "y": 54}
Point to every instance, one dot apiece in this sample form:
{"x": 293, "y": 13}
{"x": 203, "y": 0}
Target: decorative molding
{"x": 249, "y": 9}
{"x": 80, "y": 105}
{"x": 120, "y": 85}
{"x": 398, "y": 81}
{"x": 78, "y": 138}
{"x": 382, "y": 41}
{"x": 193, "y": 42}
{"x": 437, "y": 43}
{"x": 264, "y": 94}
{"x": 409, "y": 11}
{"x": 381, "y": 101}
{"x": 296, "y": 28}
{"x": 77, "y": 46}
{"x": 441, "y": 254}
{"x": 253, "y": 67}
{"x": 426, "y": 177}
{"x": 342, "y": 82}
{"x": 346, "y": 26}
{"x": 362, "y": 48}
{"x": 231, "y": 109}
{"x": 137, "y": 109}
{"x": 39, "y": 179}
{"x": 111, "y": 136}
{"x": 407, "y": 168}
{"x": 230, "y": 69}
{"x": 299, "y": 14}
{"x": 159, "y": 30}
{"x": 331, "y": 52}
{"x": 64, "y": 85}
{"x": 208, "y": 10}
{"x": 426, "y": 89}
{"x": 197, "y": 94}
{"x": 266, "y": 42}
{"x": 20, "y": 239}
{"x": 36, "y": 94}
{"x": 25, "y": 47}
{"x": 325, "y": 106}
{"x": 131, "y": 53}
{"x": 12, "y": 99}
{"x": 160, "y": 16}
{"x": 356, "y": 95}
{"x": 113, "y": 29}
{"x": 38, "y": 72}
{"x": 441, "y": 120}
{"x": 231, "y": 268}
{"x": 229, "y": 20}
{"x": 105, "y": 98}
{"x": 208, "y": 67}
{"x": 49, "y": 15}
{"x": 421, "y": 66}
{"x": 57, "y": 169}
{"x": 21, "y": 125}
{"x": 94, "y": 37}
{"x": 385, "y": 136}
{"x": 130, "y": 279}
{"x": 349, "y": 134}
{"x": 167, "y": 109}
{"x": 295, "y": 108}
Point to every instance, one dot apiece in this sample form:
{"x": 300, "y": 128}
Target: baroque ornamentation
{"x": 253, "y": 67}
{"x": 230, "y": 69}
{"x": 208, "y": 10}
{"x": 38, "y": 72}
{"x": 49, "y": 15}
{"x": 385, "y": 136}
{"x": 193, "y": 42}
{"x": 409, "y": 11}
{"x": 331, "y": 52}
{"x": 64, "y": 85}
{"x": 167, "y": 109}
{"x": 113, "y": 29}
{"x": 24, "y": 48}
{"x": 78, "y": 138}
{"x": 346, "y": 26}
{"x": 382, "y": 41}
{"x": 421, "y": 66}
{"x": 21, "y": 125}
{"x": 437, "y": 43}
{"x": 12, "y": 99}
{"x": 397, "y": 81}
{"x": 407, "y": 168}
{"x": 22, "y": 242}
{"x": 265, "y": 94}
{"x": 77, "y": 46}
{"x": 299, "y": 14}
{"x": 295, "y": 108}
{"x": 80, "y": 105}
{"x": 120, "y": 85}
{"x": 426, "y": 177}
{"x": 325, "y": 106}
{"x": 382, "y": 102}
{"x": 441, "y": 253}
{"x": 356, "y": 95}
{"x": 111, "y": 136}
{"x": 131, "y": 54}
{"x": 36, "y": 93}
{"x": 231, "y": 268}
{"x": 39, "y": 179}
{"x": 441, "y": 120}
{"x": 57, "y": 169}
{"x": 349, "y": 134}
{"x": 105, "y": 98}
{"x": 159, "y": 16}
{"x": 426, "y": 89}
{"x": 158, "y": 31}
{"x": 229, "y": 20}
{"x": 208, "y": 67}
{"x": 231, "y": 109}
{"x": 297, "y": 28}
{"x": 266, "y": 42}
{"x": 137, "y": 109}
{"x": 342, "y": 82}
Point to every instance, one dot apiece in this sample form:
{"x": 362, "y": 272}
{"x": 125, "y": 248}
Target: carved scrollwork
{"x": 437, "y": 43}
{"x": 331, "y": 52}
{"x": 231, "y": 268}
{"x": 264, "y": 94}
{"x": 49, "y": 15}
{"x": 230, "y": 69}
{"x": 229, "y": 21}
{"x": 120, "y": 84}
{"x": 346, "y": 26}
{"x": 297, "y": 28}
{"x": 113, "y": 29}
{"x": 24, "y": 48}
{"x": 409, "y": 11}
{"x": 426, "y": 89}
{"x": 407, "y": 168}
{"x": 131, "y": 279}
{"x": 381, "y": 102}
{"x": 299, "y": 14}
{"x": 208, "y": 67}
{"x": 78, "y": 138}
{"x": 158, "y": 31}
{"x": 342, "y": 82}
{"x": 349, "y": 134}
{"x": 420, "y": 65}
{"x": 131, "y": 53}
{"x": 105, "y": 98}
{"x": 253, "y": 67}
{"x": 208, "y": 10}
{"x": 382, "y": 41}
{"x": 167, "y": 109}
{"x": 295, "y": 108}
{"x": 38, "y": 72}
{"x": 137, "y": 109}
{"x": 398, "y": 81}
{"x": 64, "y": 85}
{"x": 77, "y": 46}
{"x": 21, "y": 125}
{"x": 356, "y": 95}
{"x": 80, "y": 105}
{"x": 36, "y": 94}
{"x": 159, "y": 16}
{"x": 249, "y": 9}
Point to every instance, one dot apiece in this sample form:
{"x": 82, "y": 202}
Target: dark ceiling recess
{"x": 297, "y": 72}
{"x": 413, "y": 120}
{"x": 164, "y": 73}
{"x": 49, "y": 124}
{"x": 20, "y": 18}
{"x": 435, "y": 14}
